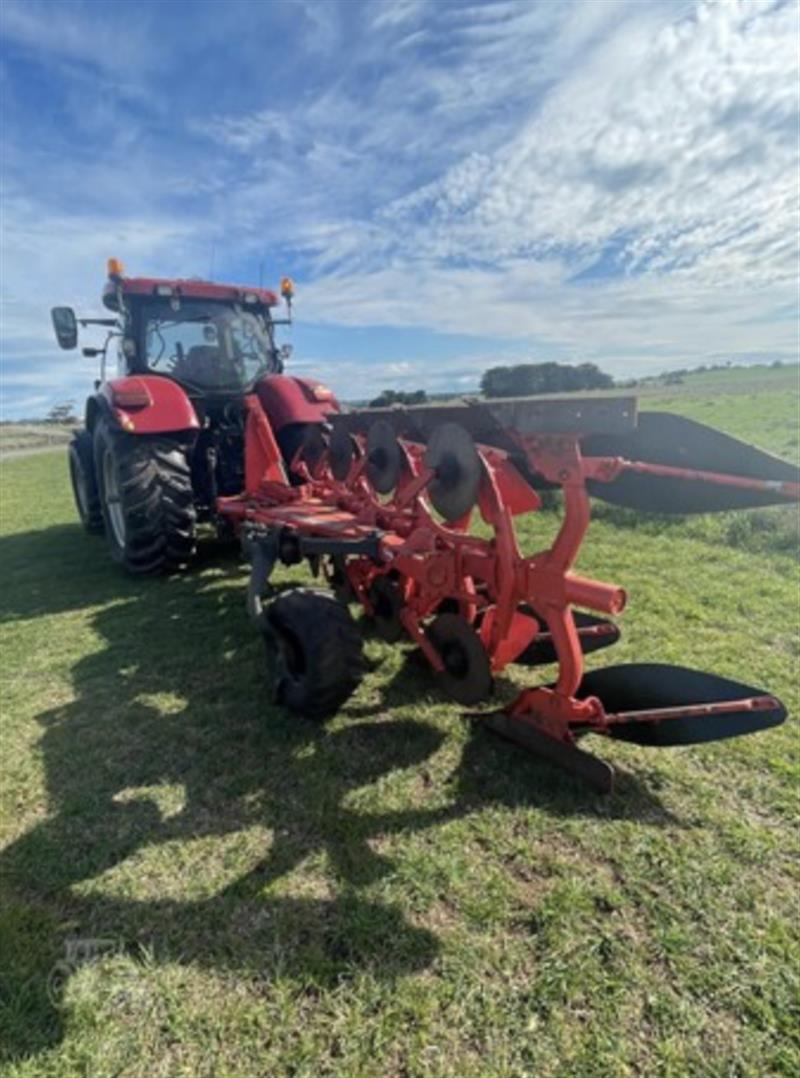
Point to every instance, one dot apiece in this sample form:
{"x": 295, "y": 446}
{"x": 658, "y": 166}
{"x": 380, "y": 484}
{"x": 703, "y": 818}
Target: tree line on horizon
{"x": 529, "y": 379}
{"x": 519, "y": 380}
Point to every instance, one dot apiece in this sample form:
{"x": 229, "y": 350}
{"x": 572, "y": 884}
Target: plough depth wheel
{"x": 315, "y": 650}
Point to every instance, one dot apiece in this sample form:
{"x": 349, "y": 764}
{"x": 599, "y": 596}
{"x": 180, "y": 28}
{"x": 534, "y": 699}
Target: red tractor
{"x": 164, "y": 438}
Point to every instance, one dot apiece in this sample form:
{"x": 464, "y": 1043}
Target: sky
{"x": 452, "y": 185}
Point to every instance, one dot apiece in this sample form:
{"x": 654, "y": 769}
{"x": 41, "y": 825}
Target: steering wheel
{"x": 176, "y": 361}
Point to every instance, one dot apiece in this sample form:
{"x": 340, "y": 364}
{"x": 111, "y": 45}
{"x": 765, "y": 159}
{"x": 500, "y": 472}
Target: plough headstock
{"x": 386, "y": 509}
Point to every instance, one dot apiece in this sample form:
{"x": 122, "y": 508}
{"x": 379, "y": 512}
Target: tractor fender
{"x": 143, "y": 404}
{"x": 287, "y": 399}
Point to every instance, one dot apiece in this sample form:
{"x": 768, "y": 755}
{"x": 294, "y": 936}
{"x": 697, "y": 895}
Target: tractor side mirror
{"x": 66, "y": 326}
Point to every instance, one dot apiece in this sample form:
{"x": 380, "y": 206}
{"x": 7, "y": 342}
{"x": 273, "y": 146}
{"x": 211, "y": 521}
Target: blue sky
{"x": 451, "y": 184}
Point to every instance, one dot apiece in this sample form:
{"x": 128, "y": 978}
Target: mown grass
{"x": 758, "y": 405}
{"x": 397, "y": 893}
{"x": 753, "y": 377}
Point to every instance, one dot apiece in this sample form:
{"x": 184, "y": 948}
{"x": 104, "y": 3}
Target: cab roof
{"x": 187, "y": 288}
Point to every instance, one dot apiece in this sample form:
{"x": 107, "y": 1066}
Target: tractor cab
{"x": 212, "y": 338}
{"x": 212, "y": 347}
{"x": 189, "y": 353}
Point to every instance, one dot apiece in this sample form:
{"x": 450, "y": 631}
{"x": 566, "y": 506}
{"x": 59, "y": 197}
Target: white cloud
{"x": 397, "y": 13}
{"x": 611, "y": 181}
{"x": 61, "y": 257}
{"x": 246, "y": 133}
{"x": 683, "y": 142}
{"x": 77, "y": 34}
{"x": 672, "y": 149}
{"x": 357, "y": 380}
{"x": 627, "y": 324}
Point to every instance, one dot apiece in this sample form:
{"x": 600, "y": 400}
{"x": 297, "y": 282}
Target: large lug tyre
{"x": 84, "y": 484}
{"x": 145, "y": 490}
{"x": 314, "y": 650}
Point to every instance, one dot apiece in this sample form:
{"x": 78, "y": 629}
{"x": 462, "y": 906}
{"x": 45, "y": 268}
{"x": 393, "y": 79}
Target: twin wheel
{"x": 138, "y": 490}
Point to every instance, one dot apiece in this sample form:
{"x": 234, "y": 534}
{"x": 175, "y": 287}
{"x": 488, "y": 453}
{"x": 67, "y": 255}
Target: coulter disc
{"x": 341, "y": 453}
{"x": 383, "y": 457}
{"x": 452, "y": 455}
{"x": 313, "y": 443}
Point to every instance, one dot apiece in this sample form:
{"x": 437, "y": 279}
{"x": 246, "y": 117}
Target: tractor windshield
{"x": 208, "y": 345}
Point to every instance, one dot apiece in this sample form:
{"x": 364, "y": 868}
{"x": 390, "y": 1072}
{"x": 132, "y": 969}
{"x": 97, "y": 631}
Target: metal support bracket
{"x": 263, "y": 553}
{"x": 311, "y": 545}
{"x": 591, "y": 769}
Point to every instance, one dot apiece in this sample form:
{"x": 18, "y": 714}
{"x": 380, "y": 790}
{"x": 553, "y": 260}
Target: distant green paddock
{"x": 18, "y": 436}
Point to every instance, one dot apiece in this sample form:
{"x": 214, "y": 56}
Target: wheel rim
{"x": 111, "y": 496}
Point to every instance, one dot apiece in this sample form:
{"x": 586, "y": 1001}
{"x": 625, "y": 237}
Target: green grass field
{"x": 397, "y": 893}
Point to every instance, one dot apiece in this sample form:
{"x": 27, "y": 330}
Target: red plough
{"x": 382, "y": 506}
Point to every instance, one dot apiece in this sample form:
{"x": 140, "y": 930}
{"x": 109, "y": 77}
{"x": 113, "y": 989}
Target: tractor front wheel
{"x": 145, "y": 490}
{"x": 315, "y": 651}
{"x": 84, "y": 484}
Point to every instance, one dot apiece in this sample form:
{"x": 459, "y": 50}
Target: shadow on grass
{"x": 177, "y": 698}
{"x": 59, "y": 569}
{"x": 493, "y": 771}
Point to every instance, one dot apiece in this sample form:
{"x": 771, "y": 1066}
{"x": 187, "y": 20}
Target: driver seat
{"x": 202, "y": 361}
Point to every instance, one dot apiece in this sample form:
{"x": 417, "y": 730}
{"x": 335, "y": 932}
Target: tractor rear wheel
{"x": 84, "y": 484}
{"x": 145, "y": 490}
{"x": 315, "y": 651}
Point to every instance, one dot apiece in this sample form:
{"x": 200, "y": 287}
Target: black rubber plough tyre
{"x": 315, "y": 652}
{"x": 145, "y": 489}
{"x": 84, "y": 484}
